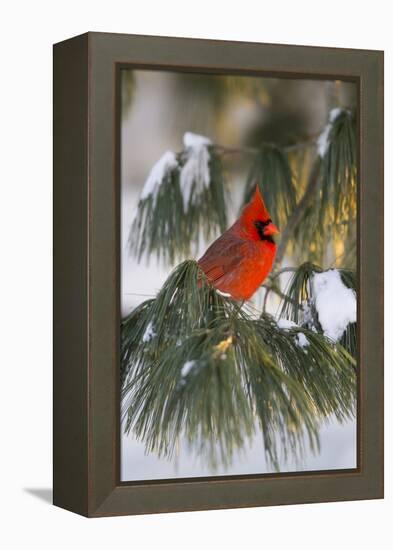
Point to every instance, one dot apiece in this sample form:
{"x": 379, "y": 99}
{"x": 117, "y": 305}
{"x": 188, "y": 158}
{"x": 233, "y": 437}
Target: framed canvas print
{"x": 218, "y": 274}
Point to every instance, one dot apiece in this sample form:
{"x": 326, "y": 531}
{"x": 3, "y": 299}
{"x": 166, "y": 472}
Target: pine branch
{"x": 180, "y": 207}
{"x": 331, "y": 215}
{"x": 299, "y": 303}
{"x": 197, "y": 366}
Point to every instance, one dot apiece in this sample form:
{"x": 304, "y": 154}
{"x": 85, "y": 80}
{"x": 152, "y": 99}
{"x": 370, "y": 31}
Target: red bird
{"x": 239, "y": 261}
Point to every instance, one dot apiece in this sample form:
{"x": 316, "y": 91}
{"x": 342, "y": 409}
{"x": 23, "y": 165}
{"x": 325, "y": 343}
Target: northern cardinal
{"x": 239, "y": 261}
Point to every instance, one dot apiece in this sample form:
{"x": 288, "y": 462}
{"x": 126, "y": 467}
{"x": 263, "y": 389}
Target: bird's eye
{"x": 259, "y": 224}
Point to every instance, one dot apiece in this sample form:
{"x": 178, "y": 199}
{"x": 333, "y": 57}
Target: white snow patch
{"x": 195, "y": 140}
{"x": 334, "y": 302}
{"x": 149, "y": 333}
{"x": 195, "y": 174}
{"x": 301, "y": 339}
{"x": 187, "y": 367}
{"x": 323, "y": 141}
{"x": 286, "y": 324}
{"x": 157, "y": 174}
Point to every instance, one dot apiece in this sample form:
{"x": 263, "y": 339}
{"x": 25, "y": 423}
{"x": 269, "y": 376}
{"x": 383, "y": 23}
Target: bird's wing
{"x": 223, "y": 256}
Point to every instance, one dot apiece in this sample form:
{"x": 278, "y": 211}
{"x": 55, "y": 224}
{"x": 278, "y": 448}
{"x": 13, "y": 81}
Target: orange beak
{"x": 270, "y": 229}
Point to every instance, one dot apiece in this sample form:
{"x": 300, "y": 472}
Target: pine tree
{"x": 197, "y": 365}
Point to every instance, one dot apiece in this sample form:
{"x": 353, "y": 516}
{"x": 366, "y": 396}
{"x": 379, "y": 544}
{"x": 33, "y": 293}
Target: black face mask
{"x": 260, "y": 227}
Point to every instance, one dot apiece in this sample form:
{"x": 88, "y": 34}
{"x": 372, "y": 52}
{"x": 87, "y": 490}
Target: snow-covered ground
{"x": 338, "y": 451}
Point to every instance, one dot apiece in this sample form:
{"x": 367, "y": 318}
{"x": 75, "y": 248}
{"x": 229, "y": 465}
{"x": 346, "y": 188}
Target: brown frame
{"x": 86, "y": 274}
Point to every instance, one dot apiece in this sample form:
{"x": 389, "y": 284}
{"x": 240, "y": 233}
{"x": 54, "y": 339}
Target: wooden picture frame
{"x": 86, "y": 274}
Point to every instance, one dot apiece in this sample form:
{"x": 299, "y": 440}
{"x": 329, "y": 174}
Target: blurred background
{"x": 238, "y": 113}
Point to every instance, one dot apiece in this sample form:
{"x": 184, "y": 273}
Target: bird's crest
{"x": 256, "y": 208}
{"x": 255, "y": 211}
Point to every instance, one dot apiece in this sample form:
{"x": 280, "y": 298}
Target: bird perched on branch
{"x": 239, "y": 261}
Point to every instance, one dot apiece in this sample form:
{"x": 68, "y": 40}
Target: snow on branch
{"x": 301, "y": 339}
{"x": 323, "y": 302}
{"x": 195, "y": 173}
{"x": 335, "y": 303}
{"x": 323, "y": 140}
{"x": 161, "y": 170}
{"x": 183, "y": 198}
